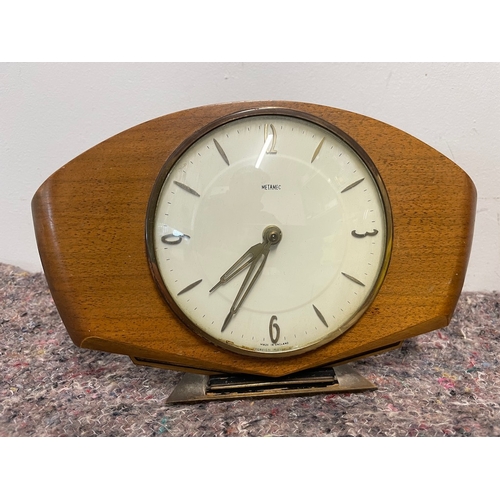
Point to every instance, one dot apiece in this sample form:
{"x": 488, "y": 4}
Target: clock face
{"x": 269, "y": 232}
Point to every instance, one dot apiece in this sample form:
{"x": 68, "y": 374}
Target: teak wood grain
{"x": 89, "y": 219}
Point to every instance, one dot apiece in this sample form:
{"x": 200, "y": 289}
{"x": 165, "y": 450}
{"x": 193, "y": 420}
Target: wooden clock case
{"x": 89, "y": 219}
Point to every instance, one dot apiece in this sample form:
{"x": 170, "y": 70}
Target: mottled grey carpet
{"x": 444, "y": 383}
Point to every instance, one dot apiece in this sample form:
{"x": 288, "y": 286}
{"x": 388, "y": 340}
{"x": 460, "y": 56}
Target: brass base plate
{"x": 194, "y": 388}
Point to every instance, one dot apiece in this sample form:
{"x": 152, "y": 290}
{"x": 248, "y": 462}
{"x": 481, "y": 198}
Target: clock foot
{"x": 194, "y": 388}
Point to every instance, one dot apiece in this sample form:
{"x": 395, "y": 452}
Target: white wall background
{"x": 50, "y": 113}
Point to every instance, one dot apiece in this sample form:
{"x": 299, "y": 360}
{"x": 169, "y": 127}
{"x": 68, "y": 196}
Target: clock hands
{"x": 255, "y": 254}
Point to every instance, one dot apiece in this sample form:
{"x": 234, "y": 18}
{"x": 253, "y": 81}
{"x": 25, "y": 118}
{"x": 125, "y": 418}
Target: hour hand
{"x": 240, "y": 265}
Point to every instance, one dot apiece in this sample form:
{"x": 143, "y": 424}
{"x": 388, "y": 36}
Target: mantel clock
{"x": 256, "y": 246}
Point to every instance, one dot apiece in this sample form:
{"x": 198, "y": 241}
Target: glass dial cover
{"x": 269, "y": 232}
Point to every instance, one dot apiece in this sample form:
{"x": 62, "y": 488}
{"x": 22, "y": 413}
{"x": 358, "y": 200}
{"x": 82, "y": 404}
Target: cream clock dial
{"x": 269, "y": 232}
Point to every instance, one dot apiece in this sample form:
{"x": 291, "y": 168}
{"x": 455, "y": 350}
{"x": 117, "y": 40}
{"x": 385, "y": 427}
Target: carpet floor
{"x": 444, "y": 383}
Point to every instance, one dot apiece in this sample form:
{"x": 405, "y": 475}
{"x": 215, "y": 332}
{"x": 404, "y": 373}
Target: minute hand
{"x": 271, "y": 236}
